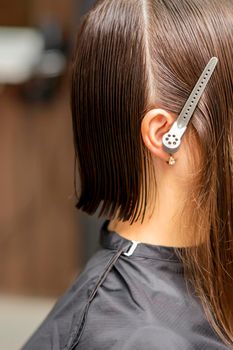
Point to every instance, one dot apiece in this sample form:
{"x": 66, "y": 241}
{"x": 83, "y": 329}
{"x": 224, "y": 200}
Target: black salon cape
{"x": 120, "y": 302}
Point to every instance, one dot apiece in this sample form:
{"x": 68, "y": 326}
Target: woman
{"x": 163, "y": 278}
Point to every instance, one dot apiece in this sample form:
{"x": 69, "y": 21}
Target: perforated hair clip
{"x": 172, "y": 139}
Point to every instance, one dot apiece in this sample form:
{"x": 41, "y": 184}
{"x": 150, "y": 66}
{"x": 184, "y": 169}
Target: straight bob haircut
{"x": 134, "y": 55}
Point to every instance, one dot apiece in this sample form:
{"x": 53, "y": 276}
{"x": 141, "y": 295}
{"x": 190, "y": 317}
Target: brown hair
{"x": 134, "y": 55}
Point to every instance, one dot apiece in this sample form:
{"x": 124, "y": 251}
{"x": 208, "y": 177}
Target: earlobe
{"x": 154, "y": 125}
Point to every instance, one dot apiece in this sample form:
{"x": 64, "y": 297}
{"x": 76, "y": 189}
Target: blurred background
{"x": 44, "y": 240}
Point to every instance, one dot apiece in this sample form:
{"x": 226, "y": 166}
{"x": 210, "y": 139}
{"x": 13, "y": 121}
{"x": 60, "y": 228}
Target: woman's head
{"x": 133, "y": 56}
{"x": 136, "y": 63}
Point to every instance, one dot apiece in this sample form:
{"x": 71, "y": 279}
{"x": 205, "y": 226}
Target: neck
{"x": 160, "y": 228}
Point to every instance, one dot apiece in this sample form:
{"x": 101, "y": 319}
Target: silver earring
{"x": 171, "y": 160}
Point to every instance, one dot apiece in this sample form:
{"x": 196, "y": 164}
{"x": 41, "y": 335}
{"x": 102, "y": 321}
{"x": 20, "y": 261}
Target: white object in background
{"x": 20, "y": 53}
{"x": 52, "y": 64}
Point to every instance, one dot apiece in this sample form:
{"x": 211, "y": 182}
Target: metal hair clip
{"x": 172, "y": 139}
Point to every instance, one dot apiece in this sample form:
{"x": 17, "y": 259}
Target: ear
{"x": 154, "y": 125}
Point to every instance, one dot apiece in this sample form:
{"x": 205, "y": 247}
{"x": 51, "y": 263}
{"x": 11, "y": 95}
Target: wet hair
{"x": 135, "y": 55}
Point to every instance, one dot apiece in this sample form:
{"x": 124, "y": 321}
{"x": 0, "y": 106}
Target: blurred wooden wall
{"x": 40, "y": 244}
{"x": 26, "y": 12}
{"x": 62, "y": 11}
{"x": 15, "y": 13}
{"x": 39, "y": 237}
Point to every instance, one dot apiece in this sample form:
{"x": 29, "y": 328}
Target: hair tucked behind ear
{"x": 133, "y": 55}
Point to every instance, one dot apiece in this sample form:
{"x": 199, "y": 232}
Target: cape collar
{"x": 110, "y": 239}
